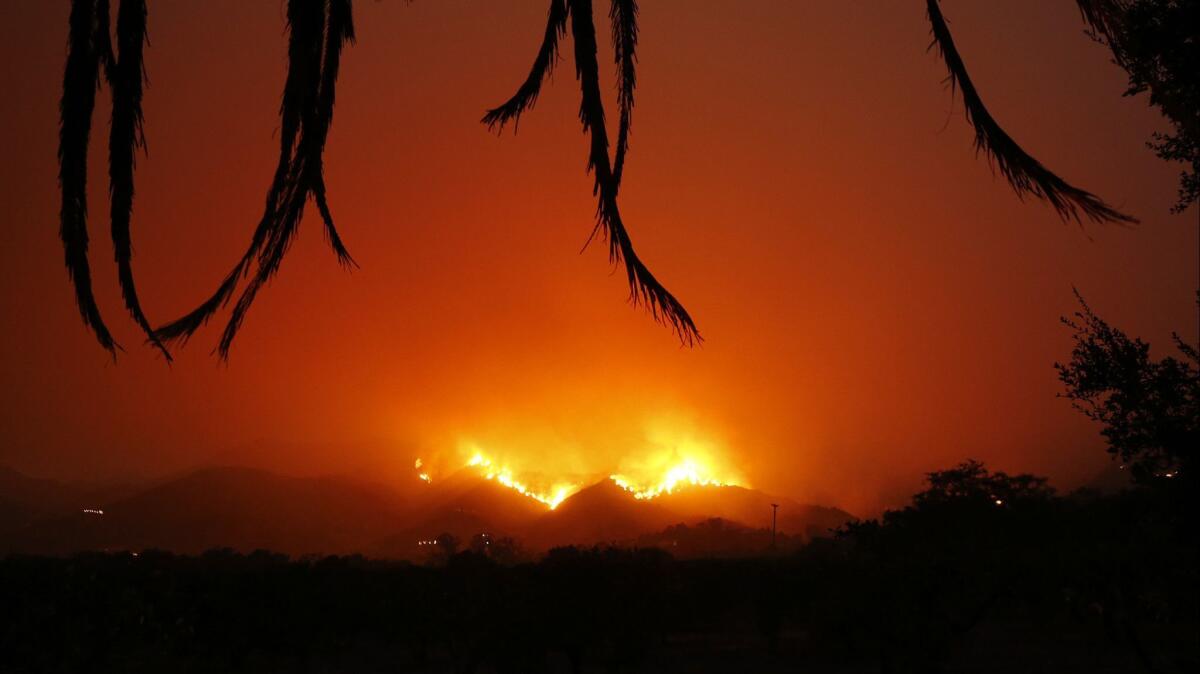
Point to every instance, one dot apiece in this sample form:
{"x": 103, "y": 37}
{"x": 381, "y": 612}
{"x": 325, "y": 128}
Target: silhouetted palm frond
{"x": 624, "y": 36}
{"x": 1026, "y": 174}
{"x": 125, "y": 78}
{"x": 103, "y": 38}
{"x": 339, "y": 31}
{"x": 644, "y": 288}
{"x": 318, "y": 30}
{"x": 80, "y": 81}
{"x": 543, "y": 65}
{"x": 289, "y": 128}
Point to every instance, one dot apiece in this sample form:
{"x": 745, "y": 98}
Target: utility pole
{"x": 774, "y": 512}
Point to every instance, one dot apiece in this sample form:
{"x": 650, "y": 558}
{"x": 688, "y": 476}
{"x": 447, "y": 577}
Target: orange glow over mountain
{"x": 874, "y": 303}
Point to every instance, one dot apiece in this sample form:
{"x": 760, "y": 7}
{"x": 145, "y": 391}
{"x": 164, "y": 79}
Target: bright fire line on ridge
{"x": 683, "y": 472}
{"x": 505, "y": 477}
{"x": 687, "y": 472}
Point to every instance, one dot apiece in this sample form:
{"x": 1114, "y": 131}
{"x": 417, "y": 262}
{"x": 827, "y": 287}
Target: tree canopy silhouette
{"x": 1154, "y": 41}
{"x": 1150, "y": 409}
{"x": 318, "y": 31}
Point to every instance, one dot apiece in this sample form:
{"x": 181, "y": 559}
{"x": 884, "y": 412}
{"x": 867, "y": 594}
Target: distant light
{"x": 93, "y": 511}
{"x": 999, "y": 501}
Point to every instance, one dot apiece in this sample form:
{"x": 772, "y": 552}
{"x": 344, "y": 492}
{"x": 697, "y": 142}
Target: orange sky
{"x": 875, "y": 303}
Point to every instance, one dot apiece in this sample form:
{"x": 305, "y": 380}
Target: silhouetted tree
{"x": 1155, "y": 42}
{"x": 1149, "y": 409}
{"x": 508, "y": 551}
{"x": 936, "y": 569}
{"x": 446, "y": 546}
{"x": 906, "y": 590}
{"x": 972, "y": 482}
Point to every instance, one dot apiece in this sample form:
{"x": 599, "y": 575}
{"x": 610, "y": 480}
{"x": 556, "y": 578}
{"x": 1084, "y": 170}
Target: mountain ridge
{"x": 251, "y": 508}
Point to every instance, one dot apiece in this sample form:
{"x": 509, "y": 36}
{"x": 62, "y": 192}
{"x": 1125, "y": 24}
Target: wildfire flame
{"x": 688, "y": 472}
{"x": 504, "y": 476}
{"x": 424, "y": 476}
{"x": 671, "y": 463}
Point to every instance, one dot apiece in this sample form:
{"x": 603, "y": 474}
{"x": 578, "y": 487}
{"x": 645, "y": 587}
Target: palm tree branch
{"x": 624, "y": 14}
{"x": 309, "y": 27}
{"x": 644, "y": 288}
{"x": 301, "y": 79}
{"x": 104, "y": 45}
{"x": 126, "y": 77}
{"x": 80, "y": 80}
{"x": 1025, "y": 174}
{"x": 340, "y": 30}
{"x": 331, "y": 234}
{"x": 543, "y": 66}
{"x": 269, "y": 262}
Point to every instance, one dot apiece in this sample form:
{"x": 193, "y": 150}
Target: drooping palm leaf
{"x": 624, "y": 14}
{"x": 125, "y": 78}
{"x": 543, "y": 65}
{"x": 289, "y": 127}
{"x": 1025, "y": 174}
{"x": 80, "y": 80}
{"x": 308, "y": 22}
{"x": 103, "y": 38}
{"x": 644, "y": 288}
{"x": 318, "y": 30}
{"x": 339, "y": 31}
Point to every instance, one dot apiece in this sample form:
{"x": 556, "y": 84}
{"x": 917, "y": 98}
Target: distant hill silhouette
{"x": 753, "y": 509}
{"x": 717, "y": 537}
{"x": 14, "y": 515}
{"x": 247, "y": 509}
{"x": 25, "y": 499}
{"x": 601, "y": 513}
{"x": 239, "y": 508}
{"x": 408, "y": 543}
{"x": 37, "y": 494}
{"x": 463, "y": 504}
{"x": 468, "y": 492}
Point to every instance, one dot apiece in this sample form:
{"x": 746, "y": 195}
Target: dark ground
{"x": 983, "y": 573}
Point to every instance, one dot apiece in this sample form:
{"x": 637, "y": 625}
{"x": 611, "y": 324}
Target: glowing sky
{"x": 875, "y": 304}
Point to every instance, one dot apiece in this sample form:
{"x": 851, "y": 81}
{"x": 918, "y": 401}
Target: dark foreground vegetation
{"x": 983, "y": 572}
